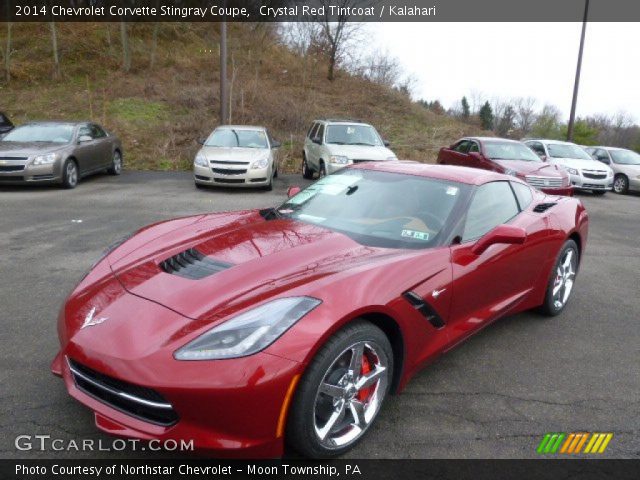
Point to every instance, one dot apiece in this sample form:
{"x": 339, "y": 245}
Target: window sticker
{"x": 452, "y": 191}
{"x": 424, "y": 236}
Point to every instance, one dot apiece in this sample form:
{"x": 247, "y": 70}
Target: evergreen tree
{"x": 466, "y": 111}
{"x": 486, "y": 116}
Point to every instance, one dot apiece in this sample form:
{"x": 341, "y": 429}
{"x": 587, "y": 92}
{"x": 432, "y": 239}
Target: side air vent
{"x": 424, "y": 308}
{"x": 543, "y": 207}
{"x": 193, "y": 265}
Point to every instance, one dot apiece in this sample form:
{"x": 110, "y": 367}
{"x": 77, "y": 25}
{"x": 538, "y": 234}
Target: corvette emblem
{"x": 89, "y": 321}
{"x": 436, "y": 293}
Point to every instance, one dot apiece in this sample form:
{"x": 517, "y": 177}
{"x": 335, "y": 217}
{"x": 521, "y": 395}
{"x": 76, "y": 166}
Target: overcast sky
{"x": 520, "y": 60}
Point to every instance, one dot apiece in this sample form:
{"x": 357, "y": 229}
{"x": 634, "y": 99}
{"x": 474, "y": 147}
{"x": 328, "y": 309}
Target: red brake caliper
{"x": 363, "y": 394}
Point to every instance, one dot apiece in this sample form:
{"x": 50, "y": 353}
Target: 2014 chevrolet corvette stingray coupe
{"x": 248, "y": 331}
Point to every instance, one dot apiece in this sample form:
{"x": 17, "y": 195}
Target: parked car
{"x": 237, "y": 156}
{"x": 332, "y": 144}
{"x": 584, "y": 172}
{"x": 624, "y": 163}
{"x": 58, "y": 152}
{"x": 5, "y": 124}
{"x": 510, "y": 157}
{"x": 293, "y": 324}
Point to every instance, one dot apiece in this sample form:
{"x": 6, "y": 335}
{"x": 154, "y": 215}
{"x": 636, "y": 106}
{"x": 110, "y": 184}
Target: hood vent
{"x": 193, "y": 265}
{"x": 543, "y": 207}
{"x": 424, "y": 308}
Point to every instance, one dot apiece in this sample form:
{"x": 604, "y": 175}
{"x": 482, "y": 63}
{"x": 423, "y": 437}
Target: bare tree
{"x": 54, "y": 47}
{"x": 525, "y": 113}
{"x": 126, "y": 49}
{"x": 7, "y": 51}
{"x": 382, "y": 68}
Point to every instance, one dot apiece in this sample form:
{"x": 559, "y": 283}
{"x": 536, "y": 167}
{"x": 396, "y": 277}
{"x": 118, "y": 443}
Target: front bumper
{"x": 562, "y": 191}
{"x": 20, "y": 172}
{"x": 213, "y": 176}
{"x": 580, "y": 182}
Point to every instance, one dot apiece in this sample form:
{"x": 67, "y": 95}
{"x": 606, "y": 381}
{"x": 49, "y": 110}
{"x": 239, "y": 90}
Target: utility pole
{"x": 576, "y": 84}
{"x": 224, "y": 96}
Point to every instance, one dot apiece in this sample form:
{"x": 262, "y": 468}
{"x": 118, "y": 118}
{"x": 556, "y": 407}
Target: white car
{"x": 332, "y": 144}
{"x": 624, "y": 163}
{"x": 585, "y": 173}
{"x": 237, "y": 156}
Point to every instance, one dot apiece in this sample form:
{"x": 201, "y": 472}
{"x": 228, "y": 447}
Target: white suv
{"x": 585, "y": 173}
{"x": 333, "y": 144}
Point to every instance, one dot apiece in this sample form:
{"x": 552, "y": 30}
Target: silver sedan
{"x": 58, "y": 152}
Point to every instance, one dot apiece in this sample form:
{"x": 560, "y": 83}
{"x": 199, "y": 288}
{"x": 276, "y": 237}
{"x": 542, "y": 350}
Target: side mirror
{"x": 293, "y": 191}
{"x": 276, "y": 144}
{"x": 201, "y": 141}
{"x": 386, "y": 143}
{"x": 84, "y": 138}
{"x": 507, "y": 234}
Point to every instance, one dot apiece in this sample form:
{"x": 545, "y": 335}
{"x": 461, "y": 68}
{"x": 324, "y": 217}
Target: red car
{"x": 510, "y": 157}
{"x": 245, "y": 330}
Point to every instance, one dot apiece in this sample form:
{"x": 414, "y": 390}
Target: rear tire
{"x": 116, "y": 164}
{"x": 621, "y": 184}
{"x": 70, "y": 174}
{"x": 561, "y": 279}
{"x": 307, "y": 173}
{"x": 341, "y": 392}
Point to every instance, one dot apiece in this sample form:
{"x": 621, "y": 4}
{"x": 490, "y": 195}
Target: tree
{"x": 583, "y": 133}
{"x": 466, "y": 111}
{"x": 525, "y": 114}
{"x": 506, "y": 123}
{"x": 486, "y": 116}
{"x": 126, "y": 50}
{"x": 8, "y": 51}
{"x": 54, "y": 47}
{"x": 548, "y": 123}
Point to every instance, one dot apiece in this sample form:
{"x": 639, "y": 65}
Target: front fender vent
{"x": 193, "y": 265}
{"x": 543, "y": 207}
{"x": 424, "y": 308}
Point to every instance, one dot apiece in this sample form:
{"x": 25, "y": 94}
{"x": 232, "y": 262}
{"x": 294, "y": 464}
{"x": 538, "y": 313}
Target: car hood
{"x": 361, "y": 152}
{"x": 259, "y": 259}
{"x": 530, "y": 168}
{"x": 236, "y": 154}
{"x": 579, "y": 163}
{"x": 27, "y": 149}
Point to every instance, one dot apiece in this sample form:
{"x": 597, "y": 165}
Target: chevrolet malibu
{"x": 510, "y": 157}
{"x": 251, "y": 330}
{"x": 58, "y": 152}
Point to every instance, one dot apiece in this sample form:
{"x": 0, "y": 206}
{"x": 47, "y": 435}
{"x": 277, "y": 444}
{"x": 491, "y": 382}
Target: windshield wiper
{"x": 363, "y": 143}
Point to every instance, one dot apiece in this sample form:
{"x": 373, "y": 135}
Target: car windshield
{"x": 40, "y": 133}
{"x": 625, "y": 157}
{"x": 510, "y": 151}
{"x": 565, "y": 150}
{"x": 353, "y": 135}
{"x": 232, "y": 137}
{"x": 381, "y": 209}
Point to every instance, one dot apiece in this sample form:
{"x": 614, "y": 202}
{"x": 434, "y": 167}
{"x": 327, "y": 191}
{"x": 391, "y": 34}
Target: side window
{"x": 523, "y": 194}
{"x": 320, "y": 133}
{"x": 97, "y": 132}
{"x": 537, "y": 147}
{"x": 493, "y": 204}
{"x": 85, "y": 130}
{"x": 462, "y": 146}
{"x": 473, "y": 147}
{"x": 601, "y": 155}
{"x": 312, "y": 129}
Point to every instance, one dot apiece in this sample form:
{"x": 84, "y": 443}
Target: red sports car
{"x": 510, "y": 157}
{"x": 245, "y": 330}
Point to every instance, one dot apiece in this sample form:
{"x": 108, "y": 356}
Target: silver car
{"x": 624, "y": 163}
{"x": 237, "y": 156}
{"x": 57, "y": 152}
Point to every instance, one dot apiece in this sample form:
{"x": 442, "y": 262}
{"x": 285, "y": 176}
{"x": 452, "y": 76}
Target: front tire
{"x": 323, "y": 170}
{"x": 70, "y": 174}
{"x": 307, "y": 173}
{"x": 621, "y": 184}
{"x": 116, "y": 164}
{"x": 561, "y": 280}
{"x": 341, "y": 392}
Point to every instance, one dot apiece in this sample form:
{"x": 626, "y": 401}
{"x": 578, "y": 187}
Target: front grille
{"x": 215, "y": 162}
{"x": 544, "y": 182}
{"x": 134, "y": 400}
{"x": 228, "y": 171}
{"x": 594, "y": 176}
{"x": 14, "y": 158}
{"x": 201, "y": 177}
{"x": 229, "y": 180}
{"x": 594, "y": 186}
{"x": 43, "y": 177}
{"x": 11, "y": 168}
{"x": 193, "y": 265}
{"x": 256, "y": 180}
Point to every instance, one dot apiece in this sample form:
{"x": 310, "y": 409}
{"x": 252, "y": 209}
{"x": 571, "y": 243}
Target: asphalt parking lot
{"x": 495, "y": 396}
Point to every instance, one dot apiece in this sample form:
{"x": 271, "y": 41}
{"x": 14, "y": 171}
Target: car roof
{"x": 607, "y": 148}
{"x": 491, "y": 139}
{"x": 546, "y": 140}
{"x": 242, "y": 127}
{"x": 345, "y": 121}
{"x": 470, "y": 176}
{"x": 55, "y": 122}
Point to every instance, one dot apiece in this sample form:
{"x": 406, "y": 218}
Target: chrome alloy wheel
{"x": 620, "y": 184}
{"x": 117, "y": 163}
{"x": 72, "y": 174}
{"x": 565, "y": 275}
{"x": 350, "y": 394}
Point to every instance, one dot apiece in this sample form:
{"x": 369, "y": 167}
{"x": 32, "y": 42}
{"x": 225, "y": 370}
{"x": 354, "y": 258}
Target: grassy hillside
{"x": 159, "y": 110}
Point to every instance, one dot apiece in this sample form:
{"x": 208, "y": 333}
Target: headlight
{"x": 261, "y": 163}
{"x": 249, "y": 332}
{"x": 392, "y": 158}
{"x": 339, "y": 159}
{"x": 572, "y": 171}
{"x": 201, "y": 160}
{"x": 47, "y": 159}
